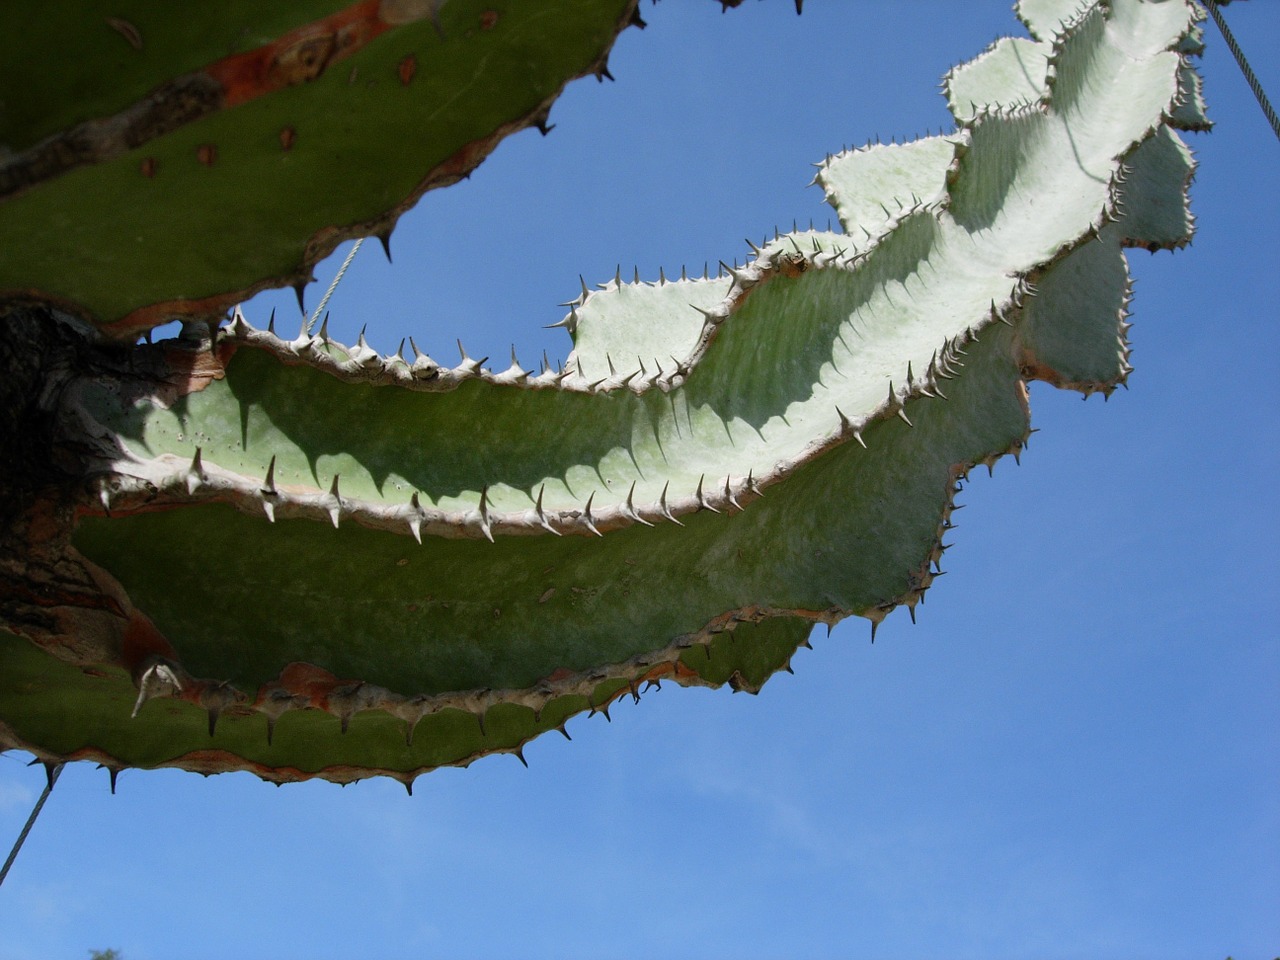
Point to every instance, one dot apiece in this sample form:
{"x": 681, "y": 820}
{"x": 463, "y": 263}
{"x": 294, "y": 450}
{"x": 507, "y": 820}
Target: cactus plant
{"x": 237, "y": 147}
{"x": 403, "y": 565}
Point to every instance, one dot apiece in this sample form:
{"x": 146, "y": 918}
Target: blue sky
{"x": 1075, "y": 753}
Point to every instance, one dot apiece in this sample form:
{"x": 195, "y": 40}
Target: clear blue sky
{"x": 1076, "y": 753}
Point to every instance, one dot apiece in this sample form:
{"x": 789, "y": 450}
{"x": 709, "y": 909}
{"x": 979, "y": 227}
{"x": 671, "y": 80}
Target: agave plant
{"x": 252, "y": 548}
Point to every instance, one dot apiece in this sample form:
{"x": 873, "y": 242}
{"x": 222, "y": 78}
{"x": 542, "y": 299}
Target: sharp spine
{"x": 415, "y": 519}
{"x": 195, "y": 473}
{"x": 728, "y": 494}
{"x": 629, "y": 508}
{"x": 703, "y": 502}
{"x": 484, "y": 514}
{"x": 588, "y": 519}
{"x": 335, "y": 508}
{"x": 663, "y": 508}
{"x": 542, "y": 517}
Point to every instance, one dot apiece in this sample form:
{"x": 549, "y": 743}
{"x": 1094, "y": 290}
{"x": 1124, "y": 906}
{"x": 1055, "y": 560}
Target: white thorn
{"x": 542, "y": 517}
{"x": 703, "y": 502}
{"x": 587, "y": 518}
{"x": 195, "y": 473}
{"x": 728, "y": 494}
{"x": 664, "y": 509}
{"x": 158, "y": 680}
{"x": 336, "y": 506}
{"x": 629, "y": 509}
{"x": 484, "y": 514}
{"x": 415, "y": 520}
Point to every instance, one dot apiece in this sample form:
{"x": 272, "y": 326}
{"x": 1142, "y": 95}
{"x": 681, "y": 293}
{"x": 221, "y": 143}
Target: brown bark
{"x": 47, "y": 592}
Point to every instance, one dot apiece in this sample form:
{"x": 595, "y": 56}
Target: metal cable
{"x": 333, "y": 286}
{"x": 1249, "y": 75}
{"x": 13, "y": 854}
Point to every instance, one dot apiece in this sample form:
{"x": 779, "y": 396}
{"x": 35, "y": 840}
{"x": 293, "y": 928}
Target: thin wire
{"x": 333, "y": 286}
{"x": 13, "y": 854}
{"x": 1249, "y": 75}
